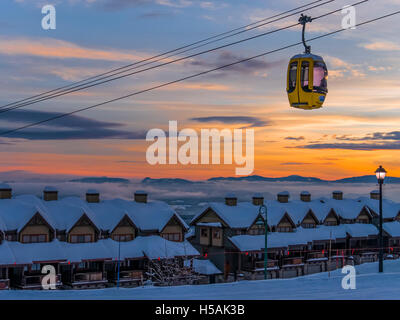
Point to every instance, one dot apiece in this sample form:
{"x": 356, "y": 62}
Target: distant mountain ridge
{"x": 100, "y": 180}
{"x": 291, "y": 178}
{"x": 261, "y": 178}
{"x": 254, "y": 178}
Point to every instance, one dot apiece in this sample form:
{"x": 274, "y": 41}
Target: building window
{"x": 308, "y": 225}
{"x": 172, "y": 236}
{"x": 81, "y": 238}
{"x": 122, "y": 237}
{"x": 284, "y": 229}
{"x": 204, "y": 232}
{"x": 330, "y": 223}
{"x": 35, "y": 267}
{"x": 11, "y": 237}
{"x": 34, "y": 238}
{"x": 256, "y": 230}
{"x": 217, "y": 234}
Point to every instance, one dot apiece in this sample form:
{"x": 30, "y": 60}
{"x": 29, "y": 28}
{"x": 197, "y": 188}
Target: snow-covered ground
{"x": 369, "y": 285}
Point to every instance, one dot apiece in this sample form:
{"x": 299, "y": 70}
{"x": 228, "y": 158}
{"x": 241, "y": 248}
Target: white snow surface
{"x": 320, "y": 286}
{"x": 203, "y": 266}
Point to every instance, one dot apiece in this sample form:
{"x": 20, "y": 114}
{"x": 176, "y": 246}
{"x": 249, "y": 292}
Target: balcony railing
{"x": 4, "y": 284}
{"x": 89, "y": 276}
{"x": 34, "y": 281}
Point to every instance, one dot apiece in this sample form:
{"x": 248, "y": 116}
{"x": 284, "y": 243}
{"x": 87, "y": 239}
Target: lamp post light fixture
{"x": 380, "y": 175}
{"x": 263, "y": 212}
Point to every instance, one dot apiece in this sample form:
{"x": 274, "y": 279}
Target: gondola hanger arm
{"x": 303, "y": 21}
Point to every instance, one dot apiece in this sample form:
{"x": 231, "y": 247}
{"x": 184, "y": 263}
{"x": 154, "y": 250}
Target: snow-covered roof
{"x": 361, "y": 230}
{"x": 302, "y": 236}
{"x": 153, "y": 247}
{"x": 27, "y": 253}
{"x": 50, "y": 189}
{"x": 6, "y": 254}
{"x": 392, "y": 228}
{"x": 64, "y": 213}
{"x": 390, "y": 209}
{"x": 205, "y": 266}
{"x": 242, "y": 215}
{"x": 297, "y": 210}
{"x": 153, "y": 215}
{"x": 92, "y": 191}
{"x": 5, "y": 186}
{"x": 346, "y": 208}
{"x": 14, "y": 215}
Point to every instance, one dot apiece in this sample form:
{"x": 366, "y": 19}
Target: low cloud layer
{"x": 190, "y": 200}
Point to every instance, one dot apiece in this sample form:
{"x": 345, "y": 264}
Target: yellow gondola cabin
{"x": 307, "y": 81}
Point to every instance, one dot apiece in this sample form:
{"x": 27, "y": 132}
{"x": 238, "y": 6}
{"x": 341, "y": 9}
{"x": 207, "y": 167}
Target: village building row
{"x": 304, "y": 235}
{"x": 84, "y": 239}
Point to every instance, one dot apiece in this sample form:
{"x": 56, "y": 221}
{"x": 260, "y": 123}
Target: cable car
{"x": 306, "y": 77}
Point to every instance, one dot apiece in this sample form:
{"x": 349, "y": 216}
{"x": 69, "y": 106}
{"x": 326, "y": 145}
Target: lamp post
{"x": 263, "y": 212}
{"x": 119, "y": 261}
{"x": 380, "y": 175}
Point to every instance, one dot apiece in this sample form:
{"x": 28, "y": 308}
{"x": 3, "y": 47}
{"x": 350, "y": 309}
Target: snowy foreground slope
{"x": 370, "y": 285}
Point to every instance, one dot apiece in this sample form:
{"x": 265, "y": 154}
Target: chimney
{"x": 230, "y": 199}
{"x": 258, "y": 199}
{"x": 5, "y": 191}
{"x": 283, "y": 197}
{"x": 374, "y": 194}
{"x": 305, "y": 196}
{"x": 50, "y": 194}
{"x": 337, "y": 195}
{"x": 140, "y": 196}
{"x": 92, "y": 196}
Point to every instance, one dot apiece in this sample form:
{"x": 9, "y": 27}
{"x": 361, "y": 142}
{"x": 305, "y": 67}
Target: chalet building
{"x": 220, "y": 221}
{"x": 84, "y": 239}
{"x": 303, "y": 233}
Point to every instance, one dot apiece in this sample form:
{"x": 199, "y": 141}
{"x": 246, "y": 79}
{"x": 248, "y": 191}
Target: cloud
{"x": 339, "y": 68}
{"x": 381, "y": 46}
{"x": 377, "y": 141}
{"x": 393, "y": 135}
{"x": 252, "y": 122}
{"x": 154, "y": 15}
{"x": 294, "y": 163}
{"x": 68, "y": 128}
{"x": 122, "y": 4}
{"x": 353, "y": 146}
{"x": 295, "y": 138}
{"x": 60, "y": 49}
{"x": 255, "y": 66}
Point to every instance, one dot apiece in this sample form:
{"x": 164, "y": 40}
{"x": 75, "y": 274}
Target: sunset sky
{"x": 355, "y": 131}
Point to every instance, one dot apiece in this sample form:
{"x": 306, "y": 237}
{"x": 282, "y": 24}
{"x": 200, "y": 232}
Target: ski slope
{"x": 369, "y": 285}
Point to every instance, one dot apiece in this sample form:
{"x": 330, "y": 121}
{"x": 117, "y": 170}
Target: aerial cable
{"x": 224, "y": 34}
{"x": 191, "y": 76}
{"x": 71, "y": 90}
